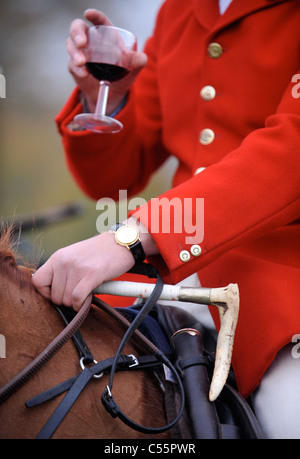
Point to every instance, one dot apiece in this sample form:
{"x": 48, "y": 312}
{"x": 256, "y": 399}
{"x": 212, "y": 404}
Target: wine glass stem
{"x": 102, "y": 98}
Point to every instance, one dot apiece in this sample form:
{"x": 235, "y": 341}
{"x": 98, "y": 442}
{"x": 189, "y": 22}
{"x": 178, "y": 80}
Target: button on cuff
{"x": 195, "y": 250}
{"x": 184, "y": 256}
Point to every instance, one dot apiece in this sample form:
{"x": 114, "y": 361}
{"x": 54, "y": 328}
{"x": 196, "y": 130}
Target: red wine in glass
{"x": 107, "y": 59}
{"x": 106, "y": 72}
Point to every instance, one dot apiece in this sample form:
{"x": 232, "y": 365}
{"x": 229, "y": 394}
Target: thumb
{"x": 139, "y": 60}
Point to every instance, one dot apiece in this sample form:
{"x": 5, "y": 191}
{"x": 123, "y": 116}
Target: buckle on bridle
{"x": 109, "y": 403}
{"x": 81, "y": 362}
{"x": 135, "y": 361}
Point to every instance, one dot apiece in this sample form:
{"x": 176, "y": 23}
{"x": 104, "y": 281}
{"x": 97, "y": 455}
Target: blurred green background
{"x": 33, "y": 58}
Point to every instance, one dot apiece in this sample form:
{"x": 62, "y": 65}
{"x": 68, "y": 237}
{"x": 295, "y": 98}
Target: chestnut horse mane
{"x": 9, "y": 260}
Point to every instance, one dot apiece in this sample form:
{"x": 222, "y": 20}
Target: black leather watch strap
{"x": 138, "y": 251}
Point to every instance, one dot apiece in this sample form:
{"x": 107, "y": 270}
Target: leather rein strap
{"x": 107, "y": 397}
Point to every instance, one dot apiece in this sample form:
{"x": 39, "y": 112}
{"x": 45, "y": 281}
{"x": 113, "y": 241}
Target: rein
{"x": 107, "y": 398}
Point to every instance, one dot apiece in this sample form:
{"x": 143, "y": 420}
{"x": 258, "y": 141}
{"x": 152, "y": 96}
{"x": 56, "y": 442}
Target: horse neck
{"x": 16, "y": 288}
{"x": 23, "y": 312}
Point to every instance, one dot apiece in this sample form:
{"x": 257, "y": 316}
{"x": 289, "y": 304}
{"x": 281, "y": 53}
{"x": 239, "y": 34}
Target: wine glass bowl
{"x": 108, "y": 56}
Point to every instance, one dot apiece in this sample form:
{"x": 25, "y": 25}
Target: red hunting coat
{"x": 221, "y": 94}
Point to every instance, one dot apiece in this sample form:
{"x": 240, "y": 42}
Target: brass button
{"x": 184, "y": 256}
{"x": 214, "y": 50}
{"x": 207, "y": 136}
{"x": 195, "y": 250}
{"x": 199, "y": 169}
{"x": 208, "y": 93}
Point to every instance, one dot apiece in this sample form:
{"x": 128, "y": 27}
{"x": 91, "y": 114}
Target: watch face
{"x": 127, "y": 235}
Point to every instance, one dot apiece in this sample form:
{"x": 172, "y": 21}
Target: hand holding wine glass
{"x": 76, "y": 45}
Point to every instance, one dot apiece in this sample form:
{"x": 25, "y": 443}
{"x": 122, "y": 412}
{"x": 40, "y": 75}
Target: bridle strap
{"x": 67, "y": 314}
{"x": 126, "y": 363}
{"x": 76, "y": 385}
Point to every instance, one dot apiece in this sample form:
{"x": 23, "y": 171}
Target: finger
{"x": 82, "y": 292}
{"x": 87, "y": 301}
{"x": 58, "y": 286}
{"x": 71, "y": 282}
{"x": 78, "y": 32}
{"x": 76, "y": 71}
{"x": 77, "y": 56}
{"x": 139, "y": 60}
{"x": 96, "y": 17}
{"x": 77, "y": 60}
{"x": 42, "y": 280}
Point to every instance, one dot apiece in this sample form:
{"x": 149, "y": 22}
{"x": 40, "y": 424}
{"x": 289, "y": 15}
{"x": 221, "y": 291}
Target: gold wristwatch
{"x": 128, "y": 236}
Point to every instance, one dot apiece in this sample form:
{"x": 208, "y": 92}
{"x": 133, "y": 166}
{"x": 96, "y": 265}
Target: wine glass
{"x": 108, "y": 56}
